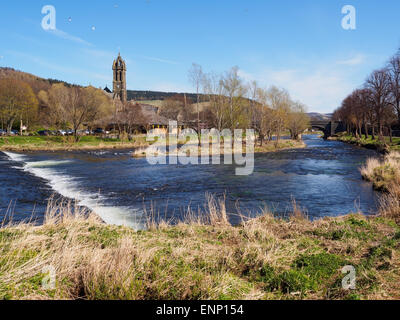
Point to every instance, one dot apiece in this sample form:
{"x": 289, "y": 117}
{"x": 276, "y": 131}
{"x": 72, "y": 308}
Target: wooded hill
{"x": 38, "y": 83}
{"x": 138, "y": 95}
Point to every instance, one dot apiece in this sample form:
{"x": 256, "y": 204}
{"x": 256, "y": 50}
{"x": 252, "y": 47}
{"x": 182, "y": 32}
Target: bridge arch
{"x": 320, "y": 128}
{"x": 329, "y": 128}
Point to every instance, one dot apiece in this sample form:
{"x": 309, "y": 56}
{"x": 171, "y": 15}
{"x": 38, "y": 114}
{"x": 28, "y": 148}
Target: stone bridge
{"x": 330, "y": 128}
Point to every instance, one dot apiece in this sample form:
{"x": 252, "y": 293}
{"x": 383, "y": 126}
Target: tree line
{"x": 221, "y": 101}
{"x": 227, "y": 101}
{"x": 375, "y": 107}
{"x": 36, "y": 103}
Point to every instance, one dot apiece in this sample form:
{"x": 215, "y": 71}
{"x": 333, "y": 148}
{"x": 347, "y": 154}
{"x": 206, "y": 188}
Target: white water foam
{"x": 67, "y": 186}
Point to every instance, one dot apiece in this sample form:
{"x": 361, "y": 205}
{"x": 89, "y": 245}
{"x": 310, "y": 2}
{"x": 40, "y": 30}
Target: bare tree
{"x": 235, "y": 93}
{"x": 196, "y": 78}
{"x": 379, "y": 85}
{"x": 394, "y": 80}
{"x": 132, "y": 117}
{"x": 77, "y": 106}
{"x": 16, "y": 100}
{"x": 298, "y": 120}
{"x": 280, "y": 102}
{"x": 174, "y": 108}
{"x": 264, "y": 117}
{"x": 213, "y": 87}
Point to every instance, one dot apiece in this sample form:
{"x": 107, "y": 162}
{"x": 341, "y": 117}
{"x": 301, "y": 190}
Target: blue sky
{"x": 296, "y": 44}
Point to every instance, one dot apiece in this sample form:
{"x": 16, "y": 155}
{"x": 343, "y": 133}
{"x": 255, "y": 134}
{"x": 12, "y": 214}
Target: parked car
{"x": 3, "y": 132}
{"x": 99, "y": 131}
{"x": 44, "y": 133}
{"x": 61, "y": 132}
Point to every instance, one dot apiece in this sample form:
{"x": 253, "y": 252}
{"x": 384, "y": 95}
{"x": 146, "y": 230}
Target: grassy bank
{"x": 263, "y": 258}
{"x": 383, "y": 146}
{"x": 282, "y": 145}
{"x": 270, "y": 146}
{"x": 385, "y": 173}
{"x": 59, "y": 143}
{"x": 42, "y": 143}
{"x": 385, "y": 176}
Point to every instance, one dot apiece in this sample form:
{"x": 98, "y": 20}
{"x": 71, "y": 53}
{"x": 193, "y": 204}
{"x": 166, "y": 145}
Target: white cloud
{"x": 159, "y": 60}
{"x": 64, "y": 35}
{"x": 322, "y": 89}
{"x": 356, "y": 60}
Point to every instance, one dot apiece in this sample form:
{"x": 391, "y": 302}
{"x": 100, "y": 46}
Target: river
{"x": 323, "y": 178}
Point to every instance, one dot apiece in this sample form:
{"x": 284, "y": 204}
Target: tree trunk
{"x": 366, "y": 130}
{"x": 10, "y": 124}
{"x": 76, "y": 137}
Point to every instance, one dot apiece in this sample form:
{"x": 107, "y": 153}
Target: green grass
{"x": 59, "y": 142}
{"x": 264, "y": 258}
{"x": 371, "y": 144}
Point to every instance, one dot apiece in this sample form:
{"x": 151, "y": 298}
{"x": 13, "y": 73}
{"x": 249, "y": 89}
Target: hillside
{"x": 37, "y": 83}
{"x": 158, "y": 95}
{"x": 320, "y": 116}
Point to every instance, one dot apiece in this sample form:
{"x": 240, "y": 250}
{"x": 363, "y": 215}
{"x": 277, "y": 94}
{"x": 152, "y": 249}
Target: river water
{"x": 323, "y": 178}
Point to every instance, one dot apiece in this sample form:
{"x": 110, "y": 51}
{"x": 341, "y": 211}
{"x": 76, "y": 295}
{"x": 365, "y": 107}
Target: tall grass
{"x": 385, "y": 176}
{"x": 383, "y": 173}
{"x": 200, "y": 257}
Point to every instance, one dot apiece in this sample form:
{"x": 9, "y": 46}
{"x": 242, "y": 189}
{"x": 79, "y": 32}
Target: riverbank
{"x": 39, "y": 143}
{"x": 385, "y": 173}
{"x": 87, "y": 143}
{"x": 385, "y": 176}
{"x": 381, "y": 146}
{"x": 270, "y": 146}
{"x": 262, "y": 258}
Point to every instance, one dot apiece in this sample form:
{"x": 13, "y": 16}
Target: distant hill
{"x": 37, "y": 83}
{"x": 315, "y": 116}
{"x": 158, "y": 95}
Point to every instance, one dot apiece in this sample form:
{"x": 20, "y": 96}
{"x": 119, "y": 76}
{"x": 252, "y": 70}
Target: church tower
{"x": 119, "y": 79}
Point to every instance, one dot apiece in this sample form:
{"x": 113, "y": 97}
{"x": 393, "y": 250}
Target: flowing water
{"x": 323, "y": 178}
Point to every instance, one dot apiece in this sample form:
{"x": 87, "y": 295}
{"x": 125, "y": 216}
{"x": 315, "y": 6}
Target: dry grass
{"x": 385, "y": 176}
{"x": 390, "y": 202}
{"x": 21, "y": 144}
{"x": 267, "y": 147}
{"x": 202, "y": 257}
{"x": 383, "y": 173}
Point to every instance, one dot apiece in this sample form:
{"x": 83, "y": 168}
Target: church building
{"x": 120, "y": 96}
{"x": 119, "y": 80}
